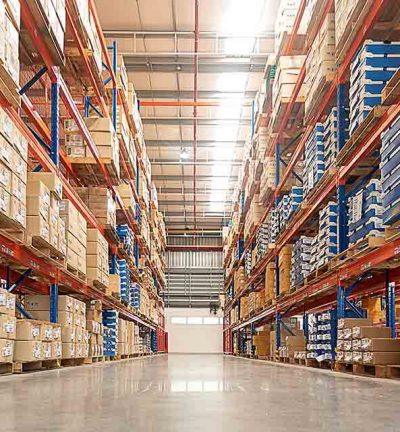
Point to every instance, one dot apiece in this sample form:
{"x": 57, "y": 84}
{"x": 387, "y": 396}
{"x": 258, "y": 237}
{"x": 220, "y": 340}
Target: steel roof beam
{"x": 200, "y": 143}
{"x": 188, "y": 121}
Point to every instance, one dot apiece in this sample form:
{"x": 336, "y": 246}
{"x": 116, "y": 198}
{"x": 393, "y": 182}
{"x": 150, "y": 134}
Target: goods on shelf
{"x": 320, "y": 64}
{"x": 390, "y": 173}
{"x": 330, "y": 136}
{"x": 371, "y": 69}
{"x": 254, "y": 215}
{"x": 365, "y": 212}
{"x": 292, "y": 344}
{"x": 291, "y": 328}
{"x": 375, "y": 309}
{"x": 9, "y": 51}
{"x": 248, "y": 263}
{"x": 7, "y": 326}
{"x": 126, "y": 194}
{"x": 270, "y": 288}
{"x": 71, "y": 317}
{"x": 314, "y": 159}
{"x": 37, "y": 340}
{"x": 321, "y": 336}
{"x": 101, "y": 203}
{"x": 285, "y": 258}
{"x": 301, "y": 258}
{"x": 76, "y": 235}
{"x": 97, "y": 257}
{"x": 13, "y": 172}
{"x": 94, "y": 326}
{"x": 261, "y": 343}
{"x": 285, "y": 21}
{"x": 121, "y": 76}
{"x": 55, "y": 14}
{"x": 110, "y": 329}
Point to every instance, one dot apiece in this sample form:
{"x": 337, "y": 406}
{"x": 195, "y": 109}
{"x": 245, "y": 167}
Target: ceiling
{"x": 157, "y": 39}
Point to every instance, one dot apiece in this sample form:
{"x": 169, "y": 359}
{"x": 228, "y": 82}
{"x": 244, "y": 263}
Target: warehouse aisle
{"x": 195, "y": 393}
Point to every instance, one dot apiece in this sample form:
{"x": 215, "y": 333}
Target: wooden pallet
{"x": 8, "y": 87}
{"x": 12, "y": 229}
{"x": 317, "y": 273}
{"x": 376, "y": 371}
{"x": 393, "y": 371}
{"x": 344, "y": 367}
{"x": 21, "y": 367}
{"x": 6, "y": 368}
{"x": 73, "y": 362}
{"x": 392, "y": 232}
{"x": 88, "y": 170}
{"x": 77, "y": 273}
{"x": 297, "y": 113}
{"x": 298, "y": 43}
{"x": 44, "y": 249}
{"x": 299, "y": 361}
{"x": 325, "y": 364}
{"x": 391, "y": 92}
{"x": 97, "y": 284}
{"x": 90, "y": 360}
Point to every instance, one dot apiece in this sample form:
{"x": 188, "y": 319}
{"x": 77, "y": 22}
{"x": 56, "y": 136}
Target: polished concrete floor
{"x": 207, "y": 393}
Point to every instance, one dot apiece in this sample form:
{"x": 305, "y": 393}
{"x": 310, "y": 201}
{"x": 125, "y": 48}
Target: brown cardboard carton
{"x": 5, "y": 202}
{"x": 6, "y": 350}
{"x": 26, "y": 351}
{"x": 29, "y": 330}
{"x": 51, "y": 180}
{"x": 68, "y": 334}
{"x": 51, "y": 331}
{"x": 371, "y": 332}
{"x": 37, "y": 226}
{"x": 7, "y": 302}
{"x": 381, "y": 358}
{"x": 8, "y": 327}
{"x": 68, "y": 350}
{"x": 381, "y": 345}
{"x": 47, "y": 350}
{"x": 56, "y": 349}
{"x": 353, "y": 322}
{"x": 42, "y": 303}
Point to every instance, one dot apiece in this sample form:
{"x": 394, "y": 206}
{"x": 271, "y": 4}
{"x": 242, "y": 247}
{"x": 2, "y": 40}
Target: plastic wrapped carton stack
{"x": 125, "y": 280}
{"x": 76, "y": 236}
{"x": 37, "y": 340}
{"x": 330, "y": 137}
{"x": 295, "y": 199}
{"x": 319, "y": 343}
{"x": 127, "y": 238}
{"x": 7, "y": 326}
{"x": 371, "y": 69}
{"x": 285, "y": 258}
{"x": 285, "y": 21}
{"x": 71, "y": 317}
{"x": 301, "y": 257}
{"x": 110, "y": 332}
{"x": 94, "y": 326}
{"x": 390, "y": 173}
{"x": 13, "y": 172}
{"x": 365, "y": 212}
{"x": 314, "y": 159}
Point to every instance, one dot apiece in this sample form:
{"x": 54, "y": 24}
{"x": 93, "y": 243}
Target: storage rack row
{"x": 24, "y": 270}
{"x": 372, "y": 273}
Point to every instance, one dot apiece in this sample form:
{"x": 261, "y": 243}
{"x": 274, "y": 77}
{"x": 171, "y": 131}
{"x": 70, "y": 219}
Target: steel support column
{"x": 114, "y": 90}
{"x": 55, "y": 119}
{"x": 278, "y": 333}
{"x": 54, "y": 303}
{"x": 390, "y": 294}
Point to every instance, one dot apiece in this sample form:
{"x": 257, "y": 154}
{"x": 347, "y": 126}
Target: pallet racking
{"x": 371, "y": 273}
{"x": 76, "y": 87}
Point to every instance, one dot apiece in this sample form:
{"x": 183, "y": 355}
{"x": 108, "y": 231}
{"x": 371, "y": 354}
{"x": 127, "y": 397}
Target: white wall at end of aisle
{"x": 193, "y": 330}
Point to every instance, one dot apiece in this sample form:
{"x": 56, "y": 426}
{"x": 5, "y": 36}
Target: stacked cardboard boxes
{"x": 320, "y": 63}
{"x": 56, "y": 17}
{"x": 270, "y": 282}
{"x": 301, "y": 257}
{"x": 320, "y": 336}
{"x": 345, "y": 346}
{"x": 76, "y": 236}
{"x": 37, "y": 340}
{"x": 284, "y": 23}
{"x": 314, "y": 159}
{"x": 7, "y": 326}
{"x": 293, "y": 344}
{"x": 13, "y": 171}
{"x": 285, "y": 263}
{"x": 365, "y": 212}
{"x": 261, "y": 342}
{"x": 71, "y": 317}
{"x": 97, "y": 257}
{"x": 101, "y": 203}
{"x": 94, "y": 326}
{"x": 110, "y": 332}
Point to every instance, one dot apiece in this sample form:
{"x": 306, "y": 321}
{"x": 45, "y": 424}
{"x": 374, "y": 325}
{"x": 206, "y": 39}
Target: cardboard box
{"x": 50, "y": 180}
{"x": 371, "y": 332}
{"x": 51, "y": 332}
{"x": 68, "y": 334}
{"x": 64, "y": 318}
{"x": 29, "y": 330}
{"x": 47, "y": 350}
{"x": 37, "y": 226}
{"x": 7, "y": 302}
{"x": 56, "y": 349}
{"x": 381, "y": 344}
{"x": 42, "y": 303}
{"x": 381, "y": 358}
{"x": 6, "y": 351}
{"x": 353, "y": 322}
{"x": 68, "y": 350}
{"x": 27, "y": 351}
{"x": 8, "y": 327}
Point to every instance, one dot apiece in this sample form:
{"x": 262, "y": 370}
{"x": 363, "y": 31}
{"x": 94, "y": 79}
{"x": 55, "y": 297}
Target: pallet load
{"x": 301, "y": 257}
{"x": 371, "y": 69}
{"x": 110, "y": 332}
{"x": 344, "y": 348}
{"x": 269, "y": 288}
{"x": 330, "y": 137}
{"x": 135, "y": 295}
{"x": 122, "y": 346}
{"x": 7, "y": 326}
{"x": 101, "y": 203}
{"x": 262, "y": 241}
{"x": 37, "y": 340}
{"x": 390, "y": 173}
{"x": 365, "y": 212}
{"x": 76, "y": 237}
{"x": 295, "y": 199}
{"x": 104, "y": 136}
{"x": 320, "y": 64}
{"x": 320, "y": 336}
{"x": 9, "y": 51}
{"x": 127, "y": 239}
{"x": 97, "y": 258}
{"x": 285, "y": 257}
{"x": 248, "y": 263}
{"x": 314, "y": 159}
{"x": 291, "y": 328}
{"x": 292, "y": 344}
{"x": 284, "y": 23}
{"x": 71, "y": 317}
{"x": 94, "y": 326}
{"x": 282, "y": 213}
{"x": 254, "y": 214}
{"x": 125, "y": 281}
